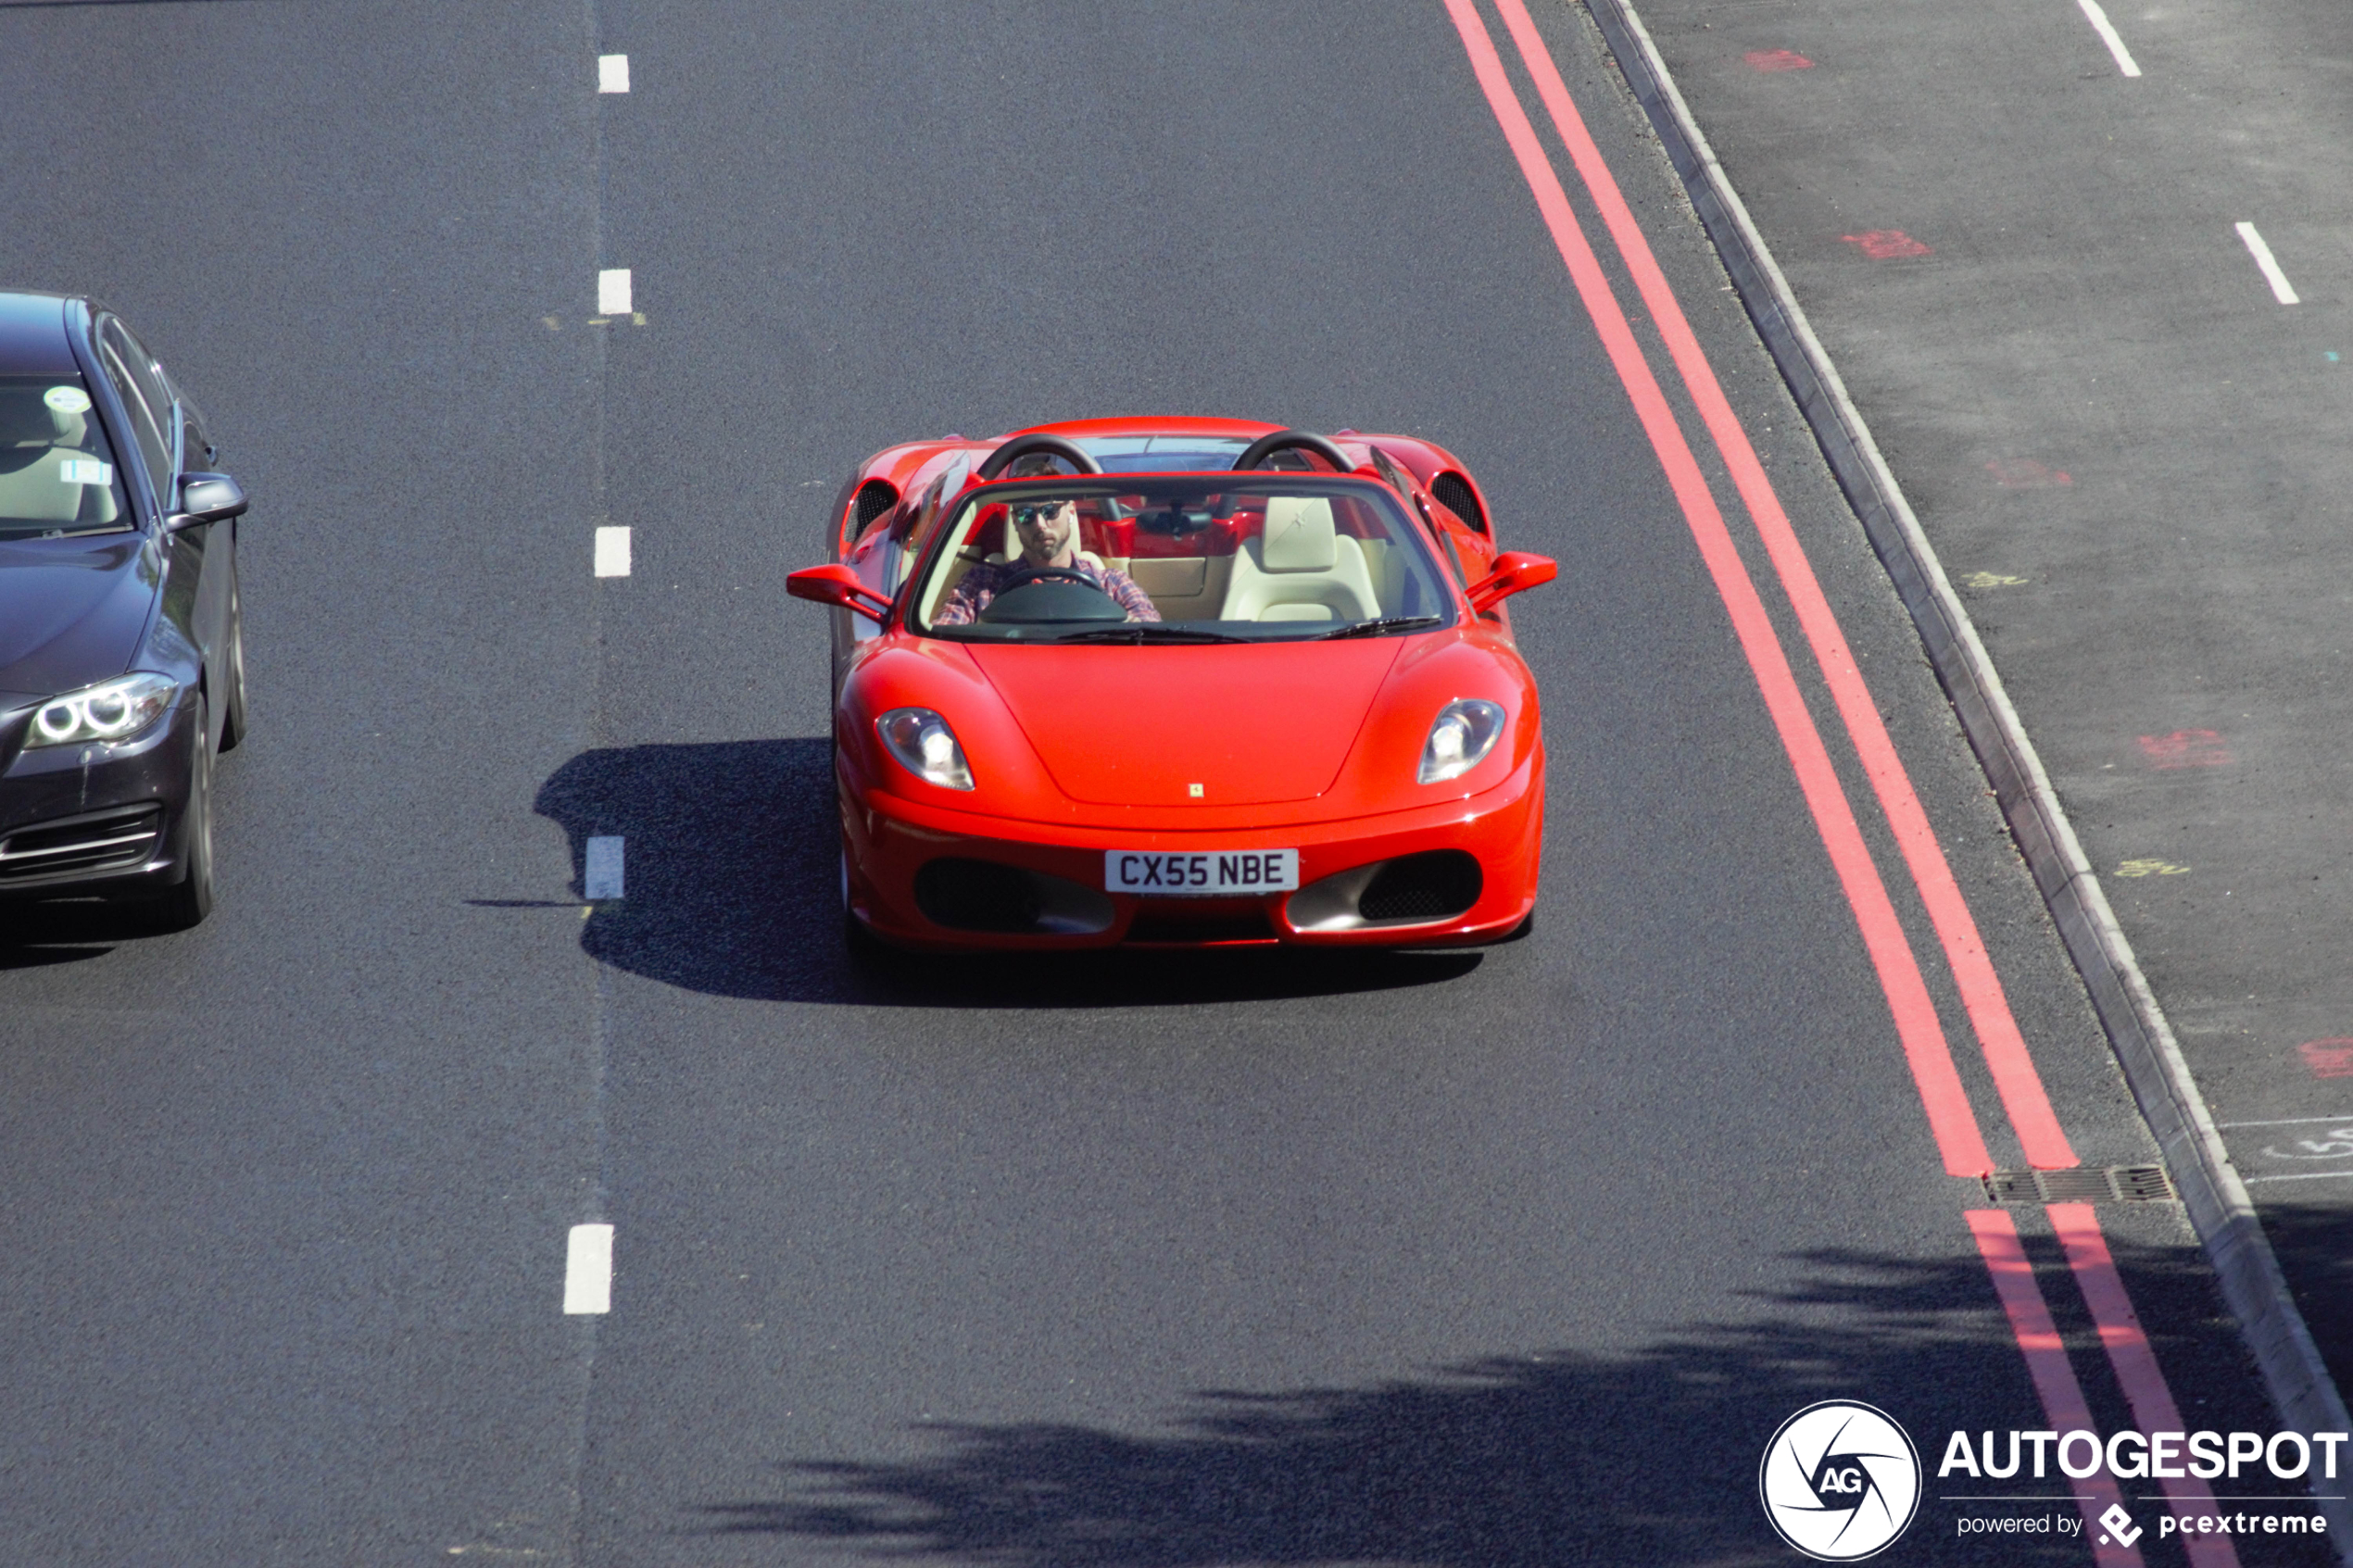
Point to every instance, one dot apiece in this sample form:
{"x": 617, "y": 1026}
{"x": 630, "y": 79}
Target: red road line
{"x": 2046, "y": 1363}
{"x": 1951, "y": 1119}
{"x": 2135, "y": 1364}
{"x": 1989, "y": 1009}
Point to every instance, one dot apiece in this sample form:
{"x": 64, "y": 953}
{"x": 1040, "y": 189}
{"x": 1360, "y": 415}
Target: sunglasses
{"x": 1043, "y": 512}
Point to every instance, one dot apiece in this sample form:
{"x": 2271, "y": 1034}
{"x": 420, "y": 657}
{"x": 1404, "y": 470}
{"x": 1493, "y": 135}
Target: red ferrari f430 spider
{"x": 1182, "y": 683}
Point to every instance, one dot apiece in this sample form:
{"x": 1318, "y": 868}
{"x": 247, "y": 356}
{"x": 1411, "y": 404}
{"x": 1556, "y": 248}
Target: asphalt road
{"x": 2129, "y": 446}
{"x": 1499, "y": 1259}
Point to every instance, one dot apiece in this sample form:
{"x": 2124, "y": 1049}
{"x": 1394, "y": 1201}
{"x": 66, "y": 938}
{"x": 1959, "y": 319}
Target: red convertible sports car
{"x": 1179, "y": 682}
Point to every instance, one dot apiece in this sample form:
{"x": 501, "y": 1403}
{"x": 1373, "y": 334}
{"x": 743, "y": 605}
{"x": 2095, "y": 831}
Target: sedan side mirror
{"x": 206, "y": 497}
{"x": 839, "y": 587}
{"x": 1514, "y": 571}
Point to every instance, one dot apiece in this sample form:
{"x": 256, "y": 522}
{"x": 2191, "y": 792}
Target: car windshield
{"x": 57, "y": 473}
{"x": 1182, "y": 558}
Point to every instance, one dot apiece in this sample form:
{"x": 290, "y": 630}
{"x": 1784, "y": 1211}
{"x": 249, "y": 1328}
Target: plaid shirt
{"x": 985, "y": 582}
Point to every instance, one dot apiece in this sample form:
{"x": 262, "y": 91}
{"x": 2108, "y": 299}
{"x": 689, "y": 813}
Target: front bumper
{"x": 890, "y": 844}
{"x": 82, "y": 821}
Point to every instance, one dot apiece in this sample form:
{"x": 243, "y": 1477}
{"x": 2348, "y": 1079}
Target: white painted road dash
{"x": 2281, "y": 289}
{"x": 588, "y": 1268}
{"x": 612, "y": 552}
{"x": 613, "y": 73}
{"x": 612, "y": 292}
{"x": 2110, "y": 37}
{"x": 601, "y": 868}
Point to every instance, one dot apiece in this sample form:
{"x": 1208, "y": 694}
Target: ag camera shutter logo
{"x": 1839, "y": 1480}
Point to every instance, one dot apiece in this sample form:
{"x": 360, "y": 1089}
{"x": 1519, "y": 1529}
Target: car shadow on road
{"x": 731, "y": 886}
{"x": 39, "y": 935}
{"x": 1525, "y": 1460}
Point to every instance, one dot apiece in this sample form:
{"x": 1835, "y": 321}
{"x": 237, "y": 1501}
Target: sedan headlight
{"x": 1460, "y": 738}
{"x": 115, "y": 709}
{"x": 921, "y": 740}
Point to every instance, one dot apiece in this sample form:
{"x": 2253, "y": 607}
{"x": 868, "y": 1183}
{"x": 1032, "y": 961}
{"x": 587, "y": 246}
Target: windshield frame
{"x": 951, "y": 515}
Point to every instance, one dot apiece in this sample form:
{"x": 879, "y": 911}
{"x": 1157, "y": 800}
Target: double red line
{"x": 1952, "y": 1120}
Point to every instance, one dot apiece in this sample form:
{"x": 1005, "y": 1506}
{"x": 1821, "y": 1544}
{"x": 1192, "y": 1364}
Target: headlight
{"x": 921, "y": 740}
{"x": 1463, "y": 732}
{"x": 113, "y": 709}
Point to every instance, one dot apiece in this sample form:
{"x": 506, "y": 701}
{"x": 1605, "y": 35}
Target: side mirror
{"x": 206, "y": 497}
{"x": 839, "y": 587}
{"x": 1514, "y": 571}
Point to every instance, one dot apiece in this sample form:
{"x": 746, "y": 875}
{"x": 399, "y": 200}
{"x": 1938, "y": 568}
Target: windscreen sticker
{"x": 67, "y": 399}
{"x": 85, "y": 470}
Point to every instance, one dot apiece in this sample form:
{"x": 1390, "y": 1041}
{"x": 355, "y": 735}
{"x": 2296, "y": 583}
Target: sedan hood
{"x": 1244, "y": 724}
{"x": 71, "y": 611}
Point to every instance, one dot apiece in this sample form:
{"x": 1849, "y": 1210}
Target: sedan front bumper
{"x": 80, "y": 821}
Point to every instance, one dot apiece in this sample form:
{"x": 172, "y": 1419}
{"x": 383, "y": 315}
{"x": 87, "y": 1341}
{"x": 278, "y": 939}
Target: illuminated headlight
{"x": 921, "y": 740}
{"x": 1463, "y": 732}
{"x": 115, "y": 709}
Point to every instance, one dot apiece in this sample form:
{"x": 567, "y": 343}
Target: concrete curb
{"x": 2211, "y": 1192}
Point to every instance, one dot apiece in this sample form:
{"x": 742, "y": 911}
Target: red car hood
{"x": 1248, "y": 724}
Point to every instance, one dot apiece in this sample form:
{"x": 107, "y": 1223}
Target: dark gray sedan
{"x": 122, "y": 661}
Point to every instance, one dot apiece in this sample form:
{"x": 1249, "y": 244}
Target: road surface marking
{"x": 588, "y": 1267}
{"x": 612, "y": 292}
{"x": 1778, "y": 59}
{"x": 2047, "y": 1363}
{"x": 1951, "y": 1119}
{"x": 2298, "y": 1176}
{"x": 2020, "y": 1086}
{"x": 612, "y": 552}
{"x": 2151, "y": 867}
{"x": 1886, "y": 244}
{"x": 2110, "y": 37}
{"x": 2134, "y": 1362}
{"x": 2281, "y": 289}
{"x": 613, "y": 73}
{"x": 601, "y": 868}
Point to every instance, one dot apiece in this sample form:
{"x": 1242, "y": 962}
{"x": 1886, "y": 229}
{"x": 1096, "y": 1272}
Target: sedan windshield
{"x": 57, "y": 471}
{"x": 1197, "y": 558}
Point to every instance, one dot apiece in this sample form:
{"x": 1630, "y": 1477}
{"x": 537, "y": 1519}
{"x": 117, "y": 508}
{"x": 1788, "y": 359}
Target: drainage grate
{"x": 2091, "y": 1183}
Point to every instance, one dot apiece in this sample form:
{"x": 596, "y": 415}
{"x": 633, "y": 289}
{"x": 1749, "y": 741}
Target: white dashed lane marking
{"x": 2281, "y": 289}
{"x": 588, "y": 1268}
{"x": 601, "y": 868}
{"x": 2110, "y": 37}
{"x": 612, "y": 292}
{"x": 613, "y": 73}
{"x": 612, "y": 552}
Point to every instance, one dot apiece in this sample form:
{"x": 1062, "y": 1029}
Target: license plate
{"x": 1213, "y": 874}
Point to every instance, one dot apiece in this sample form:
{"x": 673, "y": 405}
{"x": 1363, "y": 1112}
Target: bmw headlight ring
{"x": 111, "y": 710}
{"x": 1460, "y": 737}
{"x": 925, "y": 747}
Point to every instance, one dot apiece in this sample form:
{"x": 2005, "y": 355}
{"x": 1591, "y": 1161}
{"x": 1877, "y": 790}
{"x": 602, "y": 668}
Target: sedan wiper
{"x": 1375, "y": 628}
{"x": 1148, "y": 632}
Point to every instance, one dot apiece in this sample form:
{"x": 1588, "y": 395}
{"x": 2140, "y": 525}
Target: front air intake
{"x": 984, "y": 896}
{"x": 1435, "y": 886}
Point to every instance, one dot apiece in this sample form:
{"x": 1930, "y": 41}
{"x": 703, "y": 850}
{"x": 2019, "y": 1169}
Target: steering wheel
{"x": 1052, "y": 575}
{"x": 1265, "y": 446}
{"x": 1069, "y": 451}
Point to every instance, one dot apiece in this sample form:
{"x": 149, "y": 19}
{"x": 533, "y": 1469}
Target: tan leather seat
{"x": 1302, "y": 568}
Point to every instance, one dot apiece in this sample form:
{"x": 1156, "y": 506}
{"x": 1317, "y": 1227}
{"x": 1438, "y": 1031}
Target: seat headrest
{"x": 1300, "y": 536}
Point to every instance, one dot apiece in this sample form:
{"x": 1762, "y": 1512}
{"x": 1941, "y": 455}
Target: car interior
{"x": 52, "y": 474}
{"x": 1234, "y": 558}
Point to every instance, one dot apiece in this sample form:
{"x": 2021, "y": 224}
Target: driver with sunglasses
{"x": 1049, "y": 534}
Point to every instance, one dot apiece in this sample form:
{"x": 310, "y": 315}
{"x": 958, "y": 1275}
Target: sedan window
{"x": 57, "y": 474}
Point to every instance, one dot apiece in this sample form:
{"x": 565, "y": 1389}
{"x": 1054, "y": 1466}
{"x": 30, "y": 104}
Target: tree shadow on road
{"x": 1515, "y": 1461}
{"x": 732, "y": 888}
